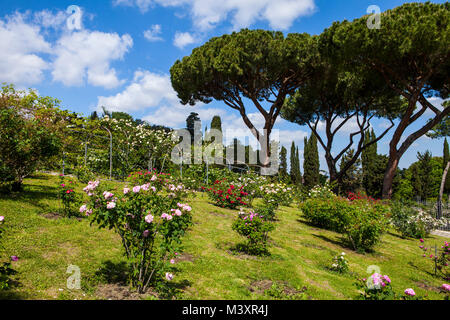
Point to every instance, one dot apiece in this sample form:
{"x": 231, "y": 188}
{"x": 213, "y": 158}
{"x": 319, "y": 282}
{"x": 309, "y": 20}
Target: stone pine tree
{"x": 283, "y": 164}
{"x": 256, "y": 67}
{"x": 311, "y": 166}
{"x": 411, "y": 52}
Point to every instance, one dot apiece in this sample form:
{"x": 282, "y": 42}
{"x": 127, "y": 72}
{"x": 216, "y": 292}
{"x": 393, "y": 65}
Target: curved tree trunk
{"x": 441, "y": 190}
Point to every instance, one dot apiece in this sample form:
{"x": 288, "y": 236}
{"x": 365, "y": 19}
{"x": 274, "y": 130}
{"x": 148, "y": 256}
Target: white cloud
{"x": 183, "y": 39}
{"x": 153, "y": 33}
{"x": 206, "y": 14}
{"x": 20, "y": 46}
{"x": 88, "y": 54}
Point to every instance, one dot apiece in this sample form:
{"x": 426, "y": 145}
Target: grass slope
{"x": 209, "y": 268}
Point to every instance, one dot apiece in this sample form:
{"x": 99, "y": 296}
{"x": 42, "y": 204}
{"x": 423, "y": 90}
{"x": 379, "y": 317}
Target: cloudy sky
{"x": 118, "y": 53}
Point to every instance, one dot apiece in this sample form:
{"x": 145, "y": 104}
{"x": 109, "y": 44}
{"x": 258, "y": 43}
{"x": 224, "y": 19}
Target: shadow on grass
{"x": 244, "y": 249}
{"x": 172, "y": 290}
{"x": 35, "y": 195}
{"x": 113, "y": 272}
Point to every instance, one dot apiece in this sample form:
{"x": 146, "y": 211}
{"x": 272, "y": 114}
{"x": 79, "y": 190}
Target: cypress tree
{"x": 311, "y": 165}
{"x": 216, "y": 123}
{"x": 283, "y": 164}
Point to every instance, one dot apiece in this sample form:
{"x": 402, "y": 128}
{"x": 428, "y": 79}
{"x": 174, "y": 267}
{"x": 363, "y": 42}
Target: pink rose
{"x": 169, "y": 276}
{"x": 149, "y": 218}
{"x": 136, "y": 189}
{"x": 410, "y": 292}
{"x": 83, "y": 208}
{"x": 110, "y": 205}
{"x": 446, "y": 287}
{"x": 126, "y": 190}
{"x": 2, "y": 218}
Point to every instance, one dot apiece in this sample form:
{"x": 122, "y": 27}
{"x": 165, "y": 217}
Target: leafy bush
{"x": 150, "y": 219}
{"x": 268, "y": 212}
{"x": 256, "y": 229}
{"x": 413, "y": 222}
{"x": 28, "y": 134}
{"x": 361, "y": 221}
{"x": 227, "y": 195}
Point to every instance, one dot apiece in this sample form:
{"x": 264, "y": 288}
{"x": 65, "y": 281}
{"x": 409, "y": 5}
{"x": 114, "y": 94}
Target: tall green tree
{"x": 190, "y": 124}
{"x": 411, "y": 52}
{"x": 373, "y": 167}
{"x": 295, "y": 165}
{"x": 422, "y": 175}
{"x": 261, "y": 66}
{"x": 283, "y": 164}
{"x": 216, "y": 123}
{"x": 311, "y": 164}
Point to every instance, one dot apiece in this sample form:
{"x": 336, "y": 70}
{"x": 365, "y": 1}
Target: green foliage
{"x": 295, "y": 173}
{"x": 283, "y": 173}
{"x": 28, "y": 135}
{"x": 68, "y": 196}
{"x": 255, "y": 228}
{"x": 151, "y": 222}
{"x": 361, "y": 221}
{"x": 351, "y": 180}
{"x": 311, "y": 165}
{"x": 216, "y": 123}
{"x": 5, "y": 268}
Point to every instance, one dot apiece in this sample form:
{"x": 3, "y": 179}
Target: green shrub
{"x": 256, "y": 229}
{"x": 362, "y": 222}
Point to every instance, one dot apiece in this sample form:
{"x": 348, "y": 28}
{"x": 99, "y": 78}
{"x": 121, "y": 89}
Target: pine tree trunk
{"x": 441, "y": 190}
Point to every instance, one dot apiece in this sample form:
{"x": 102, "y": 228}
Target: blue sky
{"x": 121, "y": 55}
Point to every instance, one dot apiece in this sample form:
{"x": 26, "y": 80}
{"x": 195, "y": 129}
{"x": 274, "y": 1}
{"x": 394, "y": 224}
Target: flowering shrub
{"x": 361, "y": 221}
{"x": 439, "y": 256}
{"x": 268, "y": 211}
{"x": 321, "y": 192}
{"x": 150, "y": 219}
{"x": 227, "y": 195}
{"x": 445, "y": 289}
{"x": 413, "y": 222}
{"x": 340, "y": 264}
{"x": 376, "y": 287}
{"x": 276, "y": 194}
{"x": 68, "y": 196}
{"x": 256, "y": 229}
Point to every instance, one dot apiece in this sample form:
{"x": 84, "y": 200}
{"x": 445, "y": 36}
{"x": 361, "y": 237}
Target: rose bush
{"x": 255, "y": 228}
{"x": 439, "y": 256}
{"x": 151, "y": 220}
{"x": 69, "y": 197}
{"x": 227, "y": 195}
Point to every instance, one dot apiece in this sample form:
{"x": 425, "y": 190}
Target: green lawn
{"x": 300, "y": 255}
